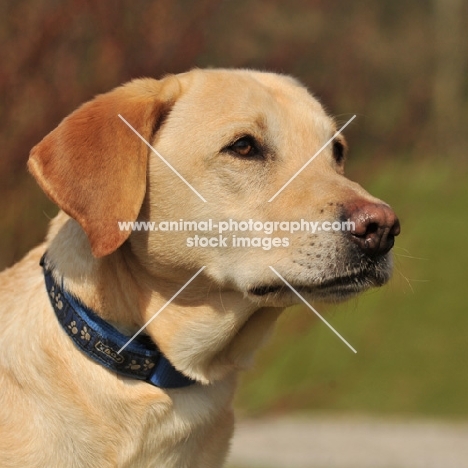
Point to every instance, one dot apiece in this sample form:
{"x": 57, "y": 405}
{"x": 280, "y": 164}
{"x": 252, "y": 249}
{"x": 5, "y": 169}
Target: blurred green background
{"x": 400, "y": 66}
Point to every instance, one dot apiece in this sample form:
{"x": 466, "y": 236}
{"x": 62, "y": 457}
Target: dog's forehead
{"x": 241, "y": 86}
{"x": 221, "y": 94}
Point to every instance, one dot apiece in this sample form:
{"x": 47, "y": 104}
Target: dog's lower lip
{"x": 265, "y": 289}
{"x": 343, "y": 282}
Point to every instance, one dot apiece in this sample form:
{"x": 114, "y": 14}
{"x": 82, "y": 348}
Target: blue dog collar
{"x": 100, "y": 341}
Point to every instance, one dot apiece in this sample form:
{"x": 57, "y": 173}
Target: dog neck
{"x": 135, "y": 358}
{"x": 205, "y": 333}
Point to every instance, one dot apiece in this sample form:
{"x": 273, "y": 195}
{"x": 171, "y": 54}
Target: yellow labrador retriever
{"x": 74, "y": 391}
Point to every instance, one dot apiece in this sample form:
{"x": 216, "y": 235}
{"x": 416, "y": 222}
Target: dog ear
{"x": 93, "y": 166}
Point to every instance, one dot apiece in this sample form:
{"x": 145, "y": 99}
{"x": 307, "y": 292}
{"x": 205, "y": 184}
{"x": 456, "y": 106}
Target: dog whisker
{"x": 410, "y": 256}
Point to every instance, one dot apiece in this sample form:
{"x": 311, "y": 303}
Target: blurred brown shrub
{"x": 400, "y": 66}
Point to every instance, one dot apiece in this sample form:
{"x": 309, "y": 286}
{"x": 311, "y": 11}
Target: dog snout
{"x": 375, "y": 226}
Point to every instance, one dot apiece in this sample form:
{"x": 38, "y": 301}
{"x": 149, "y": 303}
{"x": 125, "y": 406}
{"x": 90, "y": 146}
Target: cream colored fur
{"x": 58, "y": 408}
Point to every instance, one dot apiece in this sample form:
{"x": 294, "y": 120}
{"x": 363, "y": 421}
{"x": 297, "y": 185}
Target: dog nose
{"x": 375, "y": 227}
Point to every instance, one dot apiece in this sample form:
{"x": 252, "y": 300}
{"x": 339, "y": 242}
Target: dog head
{"x": 227, "y": 142}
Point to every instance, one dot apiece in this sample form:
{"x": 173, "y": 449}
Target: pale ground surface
{"x": 336, "y": 442}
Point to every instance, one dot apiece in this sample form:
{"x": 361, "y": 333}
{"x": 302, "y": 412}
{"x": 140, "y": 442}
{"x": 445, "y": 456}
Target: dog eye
{"x": 338, "y": 151}
{"x": 245, "y": 147}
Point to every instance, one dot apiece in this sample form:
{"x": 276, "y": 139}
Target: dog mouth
{"x": 336, "y": 287}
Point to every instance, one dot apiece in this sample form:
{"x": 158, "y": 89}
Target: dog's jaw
{"x": 331, "y": 287}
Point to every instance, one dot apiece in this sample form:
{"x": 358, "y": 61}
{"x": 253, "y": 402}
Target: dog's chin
{"x": 335, "y": 289}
